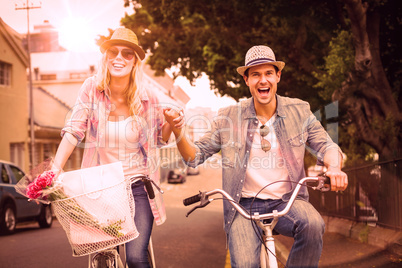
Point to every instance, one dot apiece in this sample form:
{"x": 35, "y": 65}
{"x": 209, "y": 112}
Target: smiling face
{"x": 262, "y": 81}
{"x": 120, "y": 61}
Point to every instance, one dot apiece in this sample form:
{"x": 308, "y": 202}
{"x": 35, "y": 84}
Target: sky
{"x": 81, "y": 21}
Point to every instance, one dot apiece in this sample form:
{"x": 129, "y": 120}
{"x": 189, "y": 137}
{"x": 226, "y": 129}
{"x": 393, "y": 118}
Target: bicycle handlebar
{"x": 148, "y": 184}
{"x": 323, "y": 185}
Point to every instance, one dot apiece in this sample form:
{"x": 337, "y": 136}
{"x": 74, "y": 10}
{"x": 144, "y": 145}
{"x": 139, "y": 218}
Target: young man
{"x": 263, "y": 140}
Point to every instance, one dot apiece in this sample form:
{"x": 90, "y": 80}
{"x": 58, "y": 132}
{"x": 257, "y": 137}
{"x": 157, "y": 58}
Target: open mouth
{"x": 118, "y": 66}
{"x": 264, "y": 91}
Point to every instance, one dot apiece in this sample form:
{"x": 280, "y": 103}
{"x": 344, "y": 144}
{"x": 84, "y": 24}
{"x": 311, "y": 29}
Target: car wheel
{"x": 46, "y": 217}
{"x": 8, "y": 220}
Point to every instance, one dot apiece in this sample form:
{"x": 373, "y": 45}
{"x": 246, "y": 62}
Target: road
{"x": 33, "y": 247}
{"x": 196, "y": 241}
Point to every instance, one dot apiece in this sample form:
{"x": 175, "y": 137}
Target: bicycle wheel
{"x": 151, "y": 256}
{"x": 150, "y": 259}
{"x": 104, "y": 259}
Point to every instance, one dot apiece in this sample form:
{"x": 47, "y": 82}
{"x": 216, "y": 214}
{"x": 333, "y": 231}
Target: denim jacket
{"x": 88, "y": 120}
{"x": 232, "y": 133}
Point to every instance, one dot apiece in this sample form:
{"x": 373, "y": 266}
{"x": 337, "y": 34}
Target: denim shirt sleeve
{"x": 207, "y": 145}
{"x": 304, "y": 129}
{"x": 318, "y": 139}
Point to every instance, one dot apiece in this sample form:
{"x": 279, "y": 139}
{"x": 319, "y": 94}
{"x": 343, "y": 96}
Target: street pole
{"x": 27, "y": 7}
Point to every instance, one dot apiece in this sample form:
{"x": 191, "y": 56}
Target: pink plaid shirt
{"x": 88, "y": 120}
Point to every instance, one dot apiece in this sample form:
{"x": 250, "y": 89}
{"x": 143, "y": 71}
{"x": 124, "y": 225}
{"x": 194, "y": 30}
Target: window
{"x": 78, "y": 75}
{"x": 18, "y": 174}
{"x": 47, "y": 150}
{"x": 17, "y": 154}
{"x": 48, "y": 77}
{"x": 4, "y": 175}
{"x": 5, "y": 74}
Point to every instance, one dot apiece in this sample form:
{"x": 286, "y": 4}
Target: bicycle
{"x": 115, "y": 257}
{"x": 268, "y": 257}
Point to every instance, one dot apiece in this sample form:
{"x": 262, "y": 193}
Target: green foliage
{"x": 387, "y": 129}
{"x": 364, "y": 234}
{"x": 357, "y": 152}
{"x": 338, "y": 64}
{"x": 213, "y": 36}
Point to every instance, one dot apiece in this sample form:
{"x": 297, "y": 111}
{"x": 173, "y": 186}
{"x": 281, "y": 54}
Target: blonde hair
{"x": 134, "y": 88}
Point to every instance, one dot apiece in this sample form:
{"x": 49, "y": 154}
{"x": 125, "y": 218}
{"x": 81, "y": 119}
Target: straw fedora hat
{"x": 259, "y": 55}
{"x": 125, "y": 37}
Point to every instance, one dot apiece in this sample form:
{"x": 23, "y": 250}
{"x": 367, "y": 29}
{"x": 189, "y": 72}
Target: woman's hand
{"x": 174, "y": 118}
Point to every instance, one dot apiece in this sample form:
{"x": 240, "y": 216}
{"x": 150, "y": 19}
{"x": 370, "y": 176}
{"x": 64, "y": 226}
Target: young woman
{"x": 121, "y": 121}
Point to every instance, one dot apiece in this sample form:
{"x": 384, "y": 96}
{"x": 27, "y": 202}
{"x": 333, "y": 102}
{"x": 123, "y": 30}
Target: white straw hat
{"x": 126, "y": 37}
{"x": 258, "y": 55}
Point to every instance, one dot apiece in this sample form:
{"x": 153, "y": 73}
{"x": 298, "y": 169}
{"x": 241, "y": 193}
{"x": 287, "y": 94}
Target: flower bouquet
{"x": 95, "y": 210}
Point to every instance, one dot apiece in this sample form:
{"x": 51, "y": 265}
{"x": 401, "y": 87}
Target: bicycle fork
{"x": 268, "y": 253}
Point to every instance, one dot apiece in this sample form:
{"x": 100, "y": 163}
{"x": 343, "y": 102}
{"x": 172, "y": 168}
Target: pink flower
{"x": 34, "y": 191}
{"x": 45, "y": 179}
{"x": 41, "y": 182}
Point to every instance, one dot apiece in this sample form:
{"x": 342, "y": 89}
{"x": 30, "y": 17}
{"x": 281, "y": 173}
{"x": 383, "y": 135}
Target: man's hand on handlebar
{"x": 339, "y": 180}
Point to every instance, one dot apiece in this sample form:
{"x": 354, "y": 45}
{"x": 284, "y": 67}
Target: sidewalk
{"x": 340, "y": 251}
{"x": 351, "y": 244}
{"x": 342, "y": 247}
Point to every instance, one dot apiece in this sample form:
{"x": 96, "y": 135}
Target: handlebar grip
{"x": 327, "y": 180}
{"x": 150, "y": 190}
{"x": 191, "y": 200}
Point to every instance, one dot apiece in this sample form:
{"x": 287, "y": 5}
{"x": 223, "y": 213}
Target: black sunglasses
{"x": 126, "y": 53}
{"x": 265, "y": 145}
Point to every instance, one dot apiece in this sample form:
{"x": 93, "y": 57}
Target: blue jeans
{"x": 137, "y": 249}
{"x": 303, "y": 223}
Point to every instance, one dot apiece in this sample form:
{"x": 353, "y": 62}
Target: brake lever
{"x": 203, "y": 203}
{"x": 157, "y": 187}
{"x": 324, "y": 184}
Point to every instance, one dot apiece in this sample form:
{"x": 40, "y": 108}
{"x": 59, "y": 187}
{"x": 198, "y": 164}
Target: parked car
{"x": 177, "y": 175}
{"x": 14, "y": 207}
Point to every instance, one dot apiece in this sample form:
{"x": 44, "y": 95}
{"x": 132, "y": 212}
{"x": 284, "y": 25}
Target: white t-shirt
{"x": 266, "y": 167}
{"x": 122, "y": 144}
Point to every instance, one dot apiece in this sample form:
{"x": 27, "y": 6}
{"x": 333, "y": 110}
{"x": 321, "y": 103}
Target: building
{"x": 14, "y": 115}
{"x": 44, "y": 38}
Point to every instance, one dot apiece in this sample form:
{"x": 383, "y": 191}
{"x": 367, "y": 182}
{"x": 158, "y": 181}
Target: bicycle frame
{"x": 268, "y": 255}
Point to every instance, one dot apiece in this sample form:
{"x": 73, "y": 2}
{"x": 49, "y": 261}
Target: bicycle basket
{"x": 97, "y": 211}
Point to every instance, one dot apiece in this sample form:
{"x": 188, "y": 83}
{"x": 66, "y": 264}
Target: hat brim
{"x": 280, "y": 64}
{"x": 114, "y": 42}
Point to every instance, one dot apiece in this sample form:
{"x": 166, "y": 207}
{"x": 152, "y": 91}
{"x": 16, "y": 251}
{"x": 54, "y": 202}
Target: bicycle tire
{"x": 151, "y": 264}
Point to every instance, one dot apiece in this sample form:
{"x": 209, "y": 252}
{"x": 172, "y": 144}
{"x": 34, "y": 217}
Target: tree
{"x": 313, "y": 37}
{"x": 212, "y": 37}
{"x": 371, "y": 101}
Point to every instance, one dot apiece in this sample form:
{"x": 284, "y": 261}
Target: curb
{"x": 381, "y": 237}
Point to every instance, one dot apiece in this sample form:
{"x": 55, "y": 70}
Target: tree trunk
{"x": 366, "y": 93}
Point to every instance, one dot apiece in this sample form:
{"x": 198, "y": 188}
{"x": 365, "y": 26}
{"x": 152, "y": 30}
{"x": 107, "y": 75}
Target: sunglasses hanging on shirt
{"x": 265, "y": 145}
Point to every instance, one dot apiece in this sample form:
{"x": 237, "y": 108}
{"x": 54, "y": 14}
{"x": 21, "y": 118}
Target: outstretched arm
{"x": 186, "y": 148}
{"x": 167, "y": 128}
{"x": 66, "y": 147}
